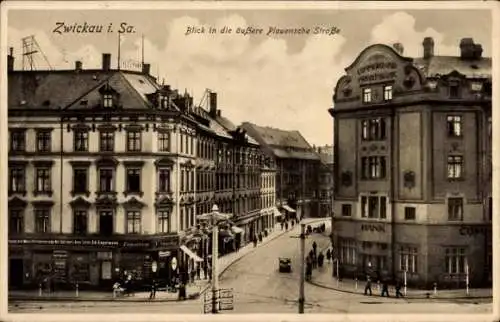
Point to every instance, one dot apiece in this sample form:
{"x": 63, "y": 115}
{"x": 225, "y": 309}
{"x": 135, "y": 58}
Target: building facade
{"x": 107, "y": 172}
{"x": 297, "y": 168}
{"x": 413, "y": 165}
{"x": 325, "y": 180}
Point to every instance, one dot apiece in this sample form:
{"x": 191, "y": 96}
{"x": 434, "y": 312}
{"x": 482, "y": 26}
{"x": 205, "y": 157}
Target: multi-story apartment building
{"x": 413, "y": 165}
{"x": 297, "y": 166}
{"x": 268, "y": 194}
{"x": 107, "y": 172}
{"x": 325, "y": 180}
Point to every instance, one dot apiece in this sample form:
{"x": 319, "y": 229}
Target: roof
{"x": 66, "y": 89}
{"x": 443, "y": 65}
{"x": 284, "y": 144}
{"x": 228, "y": 125}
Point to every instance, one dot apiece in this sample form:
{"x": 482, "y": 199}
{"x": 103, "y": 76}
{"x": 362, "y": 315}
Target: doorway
{"x": 16, "y": 272}
{"x": 105, "y": 222}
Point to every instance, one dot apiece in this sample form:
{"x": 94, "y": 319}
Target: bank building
{"x": 412, "y": 139}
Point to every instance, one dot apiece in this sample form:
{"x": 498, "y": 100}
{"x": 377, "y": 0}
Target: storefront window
{"x": 348, "y": 251}
{"x": 408, "y": 259}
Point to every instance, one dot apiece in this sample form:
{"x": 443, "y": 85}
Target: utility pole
{"x": 302, "y": 267}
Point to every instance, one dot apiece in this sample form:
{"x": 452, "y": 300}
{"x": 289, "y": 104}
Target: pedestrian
{"x": 368, "y": 287}
{"x": 328, "y": 255}
{"x": 398, "y": 289}
{"x": 321, "y": 258}
{"x": 282, "y": 225}
{"x": 260, "y": 237}
{"x": 315, "y": 246}
{"x": 254, "y": 240}
{"x": 385, "y": 288}
{"x": 205, "y": 271}
{"x": 198, "y": 271}
{"x": 152, "y": 294}
{"x": 193, "y": 274}
{"x": 293, "y": 223}
{"x": 286, "y": 226}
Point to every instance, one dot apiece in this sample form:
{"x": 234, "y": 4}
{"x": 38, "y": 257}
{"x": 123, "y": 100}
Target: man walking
{"x": 398, "y": 289}
{"x": 368, "y": 287}
{"x": 385, "y": 288}
{"x": 152, "y": 294}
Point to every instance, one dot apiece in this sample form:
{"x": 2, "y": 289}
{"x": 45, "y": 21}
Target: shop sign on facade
{"x": 373, "y": 227}
{"x": 88, "y": 242}
{"x": 472, "y": 230}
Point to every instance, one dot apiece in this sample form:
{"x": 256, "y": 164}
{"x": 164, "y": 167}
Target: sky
{"x": 284, "y": 81}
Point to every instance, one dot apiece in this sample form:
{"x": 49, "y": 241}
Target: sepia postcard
{"x": 249, "y": 160}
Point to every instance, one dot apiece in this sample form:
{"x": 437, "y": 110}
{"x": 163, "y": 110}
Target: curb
{"x": 423, "y": 297}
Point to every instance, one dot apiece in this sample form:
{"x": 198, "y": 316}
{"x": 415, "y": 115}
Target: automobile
{"x": 285, "y": 265}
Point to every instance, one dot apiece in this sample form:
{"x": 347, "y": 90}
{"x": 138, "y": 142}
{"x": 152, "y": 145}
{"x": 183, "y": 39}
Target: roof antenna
{"x": 142, "y": 55}
{"x": 119, "y": 46}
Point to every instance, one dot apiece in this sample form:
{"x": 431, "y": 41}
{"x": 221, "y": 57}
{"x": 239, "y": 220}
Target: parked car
{"x": 285, "y": 265}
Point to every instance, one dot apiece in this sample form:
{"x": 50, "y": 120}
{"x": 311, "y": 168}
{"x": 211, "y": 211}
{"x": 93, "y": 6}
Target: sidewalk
{"x": 322, "y": 277}
{"x": 193, "y": 291}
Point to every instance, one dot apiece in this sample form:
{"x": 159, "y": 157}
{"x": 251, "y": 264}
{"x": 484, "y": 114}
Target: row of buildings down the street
{"x": 108, "y": 170}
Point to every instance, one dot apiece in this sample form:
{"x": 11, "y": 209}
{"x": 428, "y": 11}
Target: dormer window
{"x": 107, "y": 100}
{"x": 164, "y": 101}
{"x": 454, "y": 90}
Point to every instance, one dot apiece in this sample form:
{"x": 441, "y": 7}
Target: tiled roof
{"x": 51, "y": 89}
{"x": 284, "y": 144}
{"x": 443, "y": 65}
{"x": 226, "y": 123}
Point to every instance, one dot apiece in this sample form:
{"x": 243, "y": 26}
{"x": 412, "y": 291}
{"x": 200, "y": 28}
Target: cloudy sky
{"x": 281, "y": 81}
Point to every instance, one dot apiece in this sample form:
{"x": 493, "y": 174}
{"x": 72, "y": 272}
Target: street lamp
{"x": 214, "y": 217}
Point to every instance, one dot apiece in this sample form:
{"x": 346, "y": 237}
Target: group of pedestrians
{"x": 385, "y": 288}
{"x": 290, "y": 223}
{"x": 313, "y": 260}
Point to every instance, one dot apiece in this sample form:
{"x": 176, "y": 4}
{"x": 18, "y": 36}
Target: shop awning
{"x": 188, "y": 252}
{"x": 288, "y": 208}
{"x": 237, "y": 230}
{"x": 277, "y": 213}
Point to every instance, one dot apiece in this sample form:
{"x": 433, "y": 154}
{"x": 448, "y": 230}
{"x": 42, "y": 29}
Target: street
{"x": 259, "y": 288}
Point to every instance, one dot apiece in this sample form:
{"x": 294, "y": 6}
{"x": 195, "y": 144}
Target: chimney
{"x": 478, "y": 51}
{"x": 213, "y": 104}
{"x": 10, "y": 60}
{"x": 78, "y": 65}
{"x": 106, "y": 62}
{"x": 467, "y": 48}
{"x": 146, "y": 68}
{"x": 398, "y": 47}
{"x": 428, "y": 47}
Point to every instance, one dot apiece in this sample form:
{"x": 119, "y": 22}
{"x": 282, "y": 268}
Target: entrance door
{"x": 106, "y": 222}
{"x": 16, "y": 272}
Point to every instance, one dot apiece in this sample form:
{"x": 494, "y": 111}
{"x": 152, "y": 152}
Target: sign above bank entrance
{"x": 373, "y": 227}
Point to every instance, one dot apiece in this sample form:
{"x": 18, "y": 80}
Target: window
{"x": 346, "y": 210}
{"x": 455, "y": 208}
{"x": 454, "y": 90}
{"x": 17, "y": 140}
{"x": 373, "y": 168}
{"x": 133, "y": 141}
{"x": 17, "y": 180}
{"x": 43, "y": 180}
{"x": 80, "y": 222}
{"x": 163, "y": 221}
{"x": 454, "y": 125}
{"x": 408, "y": 259}
{"x": 42, "y": 220}
{"x": 105, "y": 180}
{"x": 164, "y": 180}
{"x": 133, "y": 180}
{"x": 16, "y": 221}
{"x": 383, "y": 207}
{"x": 367, "y": 95}
{"x": 455, "y": 260}
{"x": 107, "y": 100}
{"x": 373, "y": 208}
{"x": 410, "y": 213}
{"x": 106, "y": 141}
{"x": 106, "y": 222}
{"x": 348, "y": 251}
{"x": 80, "y": 181}
{"x": 164, "y": 141}
{"x": 43, "y": 141}
{"x": 133, "y": 222}
{"x": 455, "y": 167}
{"x": 373, "y": 129}
{"x": 164, "y": 101}
{"x": 388, "y": 93}
{"x": 81, "y": 140}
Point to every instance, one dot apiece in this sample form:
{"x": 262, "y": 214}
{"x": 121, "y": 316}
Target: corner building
{"x": 412, "y": 140}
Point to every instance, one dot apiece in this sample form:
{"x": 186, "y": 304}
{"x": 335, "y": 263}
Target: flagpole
{"x": 119, "y": 46}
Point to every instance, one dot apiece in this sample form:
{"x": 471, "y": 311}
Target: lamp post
{"x": 214, "y": 217}
{"x": 302, "y": 267}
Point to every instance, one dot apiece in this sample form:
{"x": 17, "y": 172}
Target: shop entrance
{"x": 16, "y": 272}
